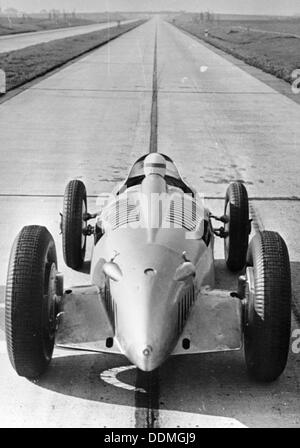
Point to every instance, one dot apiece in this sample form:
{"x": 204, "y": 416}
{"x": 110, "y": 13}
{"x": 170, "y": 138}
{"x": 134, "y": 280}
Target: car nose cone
{"x": 144, "y": 358}
{"x": 147, "y": 351}
{"x": 146, "y": 341}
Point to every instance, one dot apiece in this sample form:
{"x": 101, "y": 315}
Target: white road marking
{"x": 2, "y": 306}
{"x": 170, "y": 419}
{"x": 110, "y": 377}
{"x": 203, "y": 68}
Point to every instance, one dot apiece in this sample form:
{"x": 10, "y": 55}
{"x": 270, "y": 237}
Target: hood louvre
{"x": 120, "y": 213}
{"x": 179, "y": 212}
{"x": 184, "y": 213}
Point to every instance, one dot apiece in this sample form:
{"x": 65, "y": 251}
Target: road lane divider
{"x": 154, "y": 109}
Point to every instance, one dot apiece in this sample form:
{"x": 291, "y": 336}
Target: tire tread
{"x": 237, "y": 196}
{"x": 270, "y": 335}
{"x": 72, "y": 224}
{"x": 23, "y": 302}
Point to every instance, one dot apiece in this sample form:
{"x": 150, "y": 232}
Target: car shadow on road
{"x": 78, "y": 375}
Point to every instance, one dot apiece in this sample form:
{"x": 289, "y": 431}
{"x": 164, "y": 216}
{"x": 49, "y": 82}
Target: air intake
{"x": 183, "y": 213}
{"x": 121, "y": 213}
{"x": 184, "y": 306}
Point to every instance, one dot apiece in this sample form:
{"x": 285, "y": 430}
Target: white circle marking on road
{"x": 110, "y": 377}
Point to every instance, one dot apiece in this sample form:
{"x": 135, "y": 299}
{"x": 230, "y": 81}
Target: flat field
{"x": 272, "y": 45}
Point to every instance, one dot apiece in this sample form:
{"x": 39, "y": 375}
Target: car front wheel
{"x": 30, "y": 302}
{"x": 268, "y": 306}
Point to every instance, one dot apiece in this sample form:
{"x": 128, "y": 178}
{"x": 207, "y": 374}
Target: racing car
{"x": 152, "y": 279}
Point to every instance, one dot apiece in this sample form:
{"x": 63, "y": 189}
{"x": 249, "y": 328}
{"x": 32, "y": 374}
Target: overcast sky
{"x": 280, "y": 7}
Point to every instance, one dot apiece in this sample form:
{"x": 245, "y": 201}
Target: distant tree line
{"x": 204, "y": 17}
{"x": 53, "y": 15}
{"x": 56, "y": 15}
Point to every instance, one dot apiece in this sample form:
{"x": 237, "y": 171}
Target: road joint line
{"x": 213, "y": 198}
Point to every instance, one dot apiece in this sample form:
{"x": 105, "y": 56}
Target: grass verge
{"x": 22, "y": 66}
{"x": 29, "y": 25}
{"x": 265, "y": 48}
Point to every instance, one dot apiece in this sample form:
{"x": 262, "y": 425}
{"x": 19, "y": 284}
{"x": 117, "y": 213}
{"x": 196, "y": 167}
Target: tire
{"x": 268, "y": 307}
{"x": 30, "y": 305}
{"x": 238, "y": 226}
{"x": 74, "y": 242}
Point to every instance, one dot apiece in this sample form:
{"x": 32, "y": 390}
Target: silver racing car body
{"x": 152, "y": 279}
{"x": 151, "y": 267}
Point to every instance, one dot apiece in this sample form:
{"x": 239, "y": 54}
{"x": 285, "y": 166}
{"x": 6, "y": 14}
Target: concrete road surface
{"x": 17, "y": 41}
{"x": 90, "y": 121}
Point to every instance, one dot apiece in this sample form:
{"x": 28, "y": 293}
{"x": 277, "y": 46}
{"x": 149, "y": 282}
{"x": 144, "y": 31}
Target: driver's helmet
{"x": 155, "y": 164}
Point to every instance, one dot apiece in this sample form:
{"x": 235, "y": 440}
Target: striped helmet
{"x": 155, "y": 164}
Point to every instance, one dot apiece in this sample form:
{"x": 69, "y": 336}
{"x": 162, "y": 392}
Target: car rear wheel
{"x": 30, "y": 302}
{"x": 237, "y": 227}
{"x": 268, "y": 306}
{"x": 74, "y": 224}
